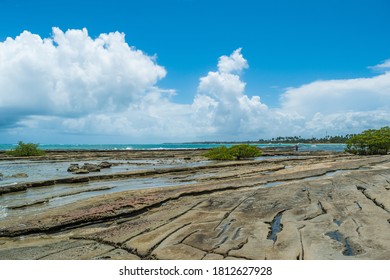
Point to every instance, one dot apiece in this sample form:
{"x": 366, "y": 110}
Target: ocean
{"x": 167, "y": 146}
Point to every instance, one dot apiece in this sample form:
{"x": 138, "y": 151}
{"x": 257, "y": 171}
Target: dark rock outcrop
{"x": 73, "y": 167}
{"x": 87, "y": 167}
{"x": 105, "y": 164}
{"x": 19, "y": 175}
{"x": 91, "y": 167}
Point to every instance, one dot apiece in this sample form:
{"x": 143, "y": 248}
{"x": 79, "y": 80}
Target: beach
{"x": 176, "y": 204}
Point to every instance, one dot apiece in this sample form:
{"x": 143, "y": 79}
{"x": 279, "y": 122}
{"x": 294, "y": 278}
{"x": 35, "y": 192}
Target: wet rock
{"x": 43, "y": 183}
{"x": 91, "y": 167}
{"x": 81, "y": 171}
{"x": 73, "y": 180}
{"x": 73, "y": 167}
{"x": 19, "y": 175}
{"x": 105, "y": 164}
{"x": 14, "y": 188}
{"x": 86, "y": 168}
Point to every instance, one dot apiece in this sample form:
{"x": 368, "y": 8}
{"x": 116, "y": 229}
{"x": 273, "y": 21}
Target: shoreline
{"x": 218, "y": 210}
{"x": 177, "y": 146}
{"x": 272, "y": 150}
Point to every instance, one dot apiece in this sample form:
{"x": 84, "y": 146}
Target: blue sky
{"x": 287, "y": 45}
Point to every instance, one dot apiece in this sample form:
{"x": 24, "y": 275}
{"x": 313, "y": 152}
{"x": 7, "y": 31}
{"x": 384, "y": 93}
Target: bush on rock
{"x": 26, "y": 150}
{"x": 235, "y": 152}
{"x": 370, "y": 142}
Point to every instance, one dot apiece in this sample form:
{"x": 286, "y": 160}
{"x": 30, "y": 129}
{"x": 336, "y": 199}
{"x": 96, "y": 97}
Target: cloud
{"x": 152, "y": 119}
{"x": 101, "y": 88}
{"x": 221, "y": 104}
{"x": 234, "y": 63}
{"x": 339, "y": 96}
{"x": 219, "y": 110}
{"x": 347, "y": 122}
{"x": 340, "y": 106}
{"x": 385, "y": 66}
{"x": 72, "y": 74}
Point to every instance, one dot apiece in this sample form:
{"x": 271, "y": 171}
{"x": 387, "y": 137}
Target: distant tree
{"x": 312, "y": 140}
{"x": 370, "y": 142}
{"x": 25, "y": 150}
{"x": 235, "y": 152}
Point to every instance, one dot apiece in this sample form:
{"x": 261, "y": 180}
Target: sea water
{"x": 47, "y": 170}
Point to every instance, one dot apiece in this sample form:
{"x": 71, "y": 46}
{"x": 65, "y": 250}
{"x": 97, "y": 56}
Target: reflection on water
{"x": 47, "y": 170}
{"x": 3, "y": 212}
{"x": 348, "y": 249}
{"x": 43, "y": 198}
{"x": 39, "y": 199}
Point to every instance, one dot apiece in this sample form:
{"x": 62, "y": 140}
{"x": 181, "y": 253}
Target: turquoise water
{"x": 302, "y": 147}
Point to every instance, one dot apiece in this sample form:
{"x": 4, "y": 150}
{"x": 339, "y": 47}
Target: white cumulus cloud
{"x": 340, "y": 106}
{"x": 73, "y": 74}
{"x": 234, "y": 63}
{"x": 221, "y": 103}
{"x": 385, "y": 66}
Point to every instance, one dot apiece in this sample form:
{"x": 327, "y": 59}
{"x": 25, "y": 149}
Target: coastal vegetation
{"x": 338, "y": 139}
{"x": 26, "y": 150}
{"x": 235, "y": 152}
{"x": 370, "y": 142}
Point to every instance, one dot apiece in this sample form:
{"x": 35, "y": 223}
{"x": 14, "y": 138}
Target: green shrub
{"x": 219, "y": 153}
{"x": 236, "y": 152}
{"x": 370, "y": 142}
{"x": 26, "y": 150}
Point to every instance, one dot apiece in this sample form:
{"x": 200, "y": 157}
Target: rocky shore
{"x": 285, "y": 205}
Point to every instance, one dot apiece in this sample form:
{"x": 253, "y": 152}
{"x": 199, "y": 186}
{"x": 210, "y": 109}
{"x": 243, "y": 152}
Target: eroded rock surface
{"x": 313, "y": 207}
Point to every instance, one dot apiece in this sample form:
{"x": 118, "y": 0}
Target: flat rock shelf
{"x": 175, "y": 204}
